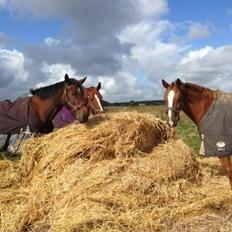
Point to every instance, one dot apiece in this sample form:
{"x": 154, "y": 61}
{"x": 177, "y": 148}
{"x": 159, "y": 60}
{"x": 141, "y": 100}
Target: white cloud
{"x": 125, "y": 45}
{"x": 195, "y": 55}
{"x": 93, "y": 46}
{"x": 198, "y": 31}
{"x": 55, "y": 8}
{"x": 124, "y": 86}
{"x": 152, "y": 7}
{"x": 209, "y": 67}
{"x": 49, "y": 41}
{"x": 12, "y": 65}
{"x": 145, "y": 33}
{"x": 56, "y": 72}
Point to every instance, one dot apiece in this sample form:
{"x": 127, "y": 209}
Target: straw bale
{"x": 106, "y": 177}
{"x": 8, "y": 173}
{"x": 105, "y": 137}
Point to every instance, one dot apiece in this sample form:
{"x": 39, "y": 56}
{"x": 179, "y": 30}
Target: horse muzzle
{"x": 83, "y": 114}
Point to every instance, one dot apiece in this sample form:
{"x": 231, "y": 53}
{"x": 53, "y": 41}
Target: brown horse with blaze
{"x": 94, "y": 105}
{"x": 94, "y": 98}
{"x": 210, "y": 110}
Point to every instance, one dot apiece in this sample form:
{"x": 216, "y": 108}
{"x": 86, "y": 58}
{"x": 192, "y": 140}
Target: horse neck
{"x": 195, "y": 106}
{"x": 46, "y": 109}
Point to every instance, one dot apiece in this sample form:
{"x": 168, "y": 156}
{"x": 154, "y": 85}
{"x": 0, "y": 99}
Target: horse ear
{"x": 83, "y": 80}
{"x": 165, "y": 84}
{"x": 178, "y": 82}
{"x": 99, "y": 86}
{"x": 67, "y": 79}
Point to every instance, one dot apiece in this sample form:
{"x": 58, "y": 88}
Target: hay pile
{"x": 120, "y": 172}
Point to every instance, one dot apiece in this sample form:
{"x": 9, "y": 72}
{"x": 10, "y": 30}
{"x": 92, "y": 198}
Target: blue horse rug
{"x": 216, "y": 128}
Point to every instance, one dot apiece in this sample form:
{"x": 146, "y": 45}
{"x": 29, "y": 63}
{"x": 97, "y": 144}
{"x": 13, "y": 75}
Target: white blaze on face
{"x": 98, "y": 101}
{"x": 170, "y": 105}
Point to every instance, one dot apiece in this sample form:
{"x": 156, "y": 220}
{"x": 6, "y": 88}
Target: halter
{"x": 72, "y": 106}
{"x": 93, "y": 108}
{"x": 176, "y": 110}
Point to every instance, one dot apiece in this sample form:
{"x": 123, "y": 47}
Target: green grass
{"x": 187, "y": 131}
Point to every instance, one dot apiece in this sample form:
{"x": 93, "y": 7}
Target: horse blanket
{"x": 63, "y": 118}
{"x": 16, "y": 121}
{"x": 216, "y": 128}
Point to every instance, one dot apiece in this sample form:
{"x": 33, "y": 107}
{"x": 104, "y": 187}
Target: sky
{"x": 127, "y": 45}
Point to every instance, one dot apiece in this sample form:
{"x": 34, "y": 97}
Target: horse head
{"x": 74, "y": 98}
{"x": 173, "y": 99}
{"x": 94, "y": 98}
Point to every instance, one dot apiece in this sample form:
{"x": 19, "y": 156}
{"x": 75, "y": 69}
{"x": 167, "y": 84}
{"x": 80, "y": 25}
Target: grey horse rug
{"x": 17, "y": 121}
{"x": 216, "y": 128}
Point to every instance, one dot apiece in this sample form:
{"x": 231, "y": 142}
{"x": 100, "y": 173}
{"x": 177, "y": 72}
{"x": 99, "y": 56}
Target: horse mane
{"x": 202, "y": 91}
{"x": 47, "y": 91}
{"x": 51, "y": 90}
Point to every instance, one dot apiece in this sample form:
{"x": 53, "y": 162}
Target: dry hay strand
{"x": 105, "y": 137}
{"x": 121, "y": 194}
{"x": 8, "y": 173}
{"x": 208, "y": 222}
{"x": 72, "y": 186}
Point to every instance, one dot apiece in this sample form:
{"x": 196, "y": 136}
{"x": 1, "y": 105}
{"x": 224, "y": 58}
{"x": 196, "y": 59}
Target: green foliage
{"x": 133, "y": 103}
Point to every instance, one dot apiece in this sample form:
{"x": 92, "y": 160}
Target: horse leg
{"x": 4, "y": 142}
{"x": 227, "y": 166}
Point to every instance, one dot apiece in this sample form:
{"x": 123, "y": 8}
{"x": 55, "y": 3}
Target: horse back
{"x": 13, "y": 115}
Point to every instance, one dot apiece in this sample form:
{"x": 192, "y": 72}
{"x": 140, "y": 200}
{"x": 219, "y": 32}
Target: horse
{"x": 65, "y": 117}
{"x": 210, "y": 110}
{"x": 94, "y": 98}
{"x": 35, "y": 114}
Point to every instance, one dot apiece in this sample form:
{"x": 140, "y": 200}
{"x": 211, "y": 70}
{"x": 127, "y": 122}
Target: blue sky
{"x": 23, "y": 30}
{"x": 128, "y": 45}
{"x": 217, "y": 14}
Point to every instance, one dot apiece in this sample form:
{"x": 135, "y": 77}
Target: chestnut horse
{"x": 37, "y": 112}
{"x": 208, "y": 109}
{"x": 64, "y": 117}
{"x": 94, "y": 99}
